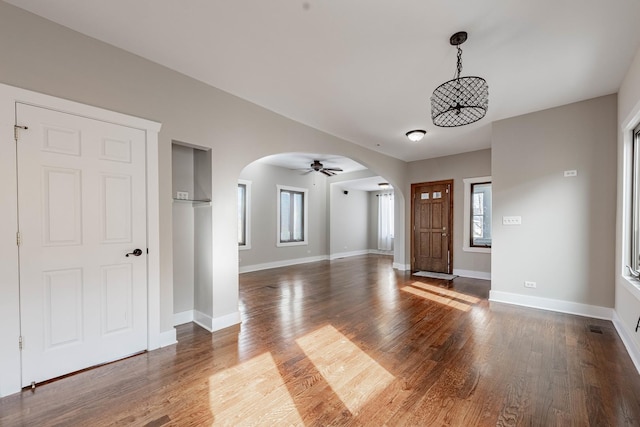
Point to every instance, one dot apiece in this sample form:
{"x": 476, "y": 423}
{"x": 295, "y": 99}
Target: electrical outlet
{"x": 182, "y": 195}
{"x": 570, "y": 173}
{"x": 528, "y": 284}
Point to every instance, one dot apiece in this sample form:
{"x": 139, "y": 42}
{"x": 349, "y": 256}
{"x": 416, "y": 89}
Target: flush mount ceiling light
{"x": 460, "y": 101}
{"x": 416, "y": 135}
{"x": 384, "y": 185}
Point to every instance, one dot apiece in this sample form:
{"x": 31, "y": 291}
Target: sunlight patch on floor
{"x": 252, "y": 393}
{"x": 352, "y": 374}
{"x": 448, "y": 292}
{"x": 436, "y": 298}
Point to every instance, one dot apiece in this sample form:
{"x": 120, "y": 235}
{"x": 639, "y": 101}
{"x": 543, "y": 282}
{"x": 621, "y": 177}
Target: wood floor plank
{"x": 354, "y": 342}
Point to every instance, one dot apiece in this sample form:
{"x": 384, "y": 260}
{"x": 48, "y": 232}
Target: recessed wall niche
{"x": 192, "y": 279}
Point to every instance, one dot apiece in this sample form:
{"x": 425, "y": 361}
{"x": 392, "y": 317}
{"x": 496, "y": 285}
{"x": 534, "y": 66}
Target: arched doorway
{"x": 336, "y": 216}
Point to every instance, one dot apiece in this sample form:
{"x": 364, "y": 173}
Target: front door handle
{"x": 136, "y": 252}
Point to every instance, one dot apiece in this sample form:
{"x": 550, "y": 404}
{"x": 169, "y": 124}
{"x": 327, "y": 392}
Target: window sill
{"x": 632, "y": 285}
{"x": 477, "y": 250}
{"x": 281, "y": 244}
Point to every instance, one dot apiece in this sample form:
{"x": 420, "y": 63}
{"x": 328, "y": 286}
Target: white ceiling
{"x": 364, "y": 70}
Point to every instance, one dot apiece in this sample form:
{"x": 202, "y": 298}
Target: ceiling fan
{"x": 319, "y": 167}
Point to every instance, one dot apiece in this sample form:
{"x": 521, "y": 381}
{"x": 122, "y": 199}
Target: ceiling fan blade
{"x": 333, "y": 169}
{"x": 327, "y": 172}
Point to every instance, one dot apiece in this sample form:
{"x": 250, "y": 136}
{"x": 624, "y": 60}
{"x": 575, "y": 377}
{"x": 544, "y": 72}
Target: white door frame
{"x": 10, "y": 367}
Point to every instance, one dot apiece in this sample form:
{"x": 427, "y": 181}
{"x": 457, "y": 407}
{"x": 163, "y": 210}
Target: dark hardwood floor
{"x": 353, "y": 342}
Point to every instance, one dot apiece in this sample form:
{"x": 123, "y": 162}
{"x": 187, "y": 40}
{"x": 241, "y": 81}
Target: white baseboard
{"x": 348, "y": 254}
{"x": 277, "y": 264}
{"x": 213, "y": 324}
{"x": 560, "y": 306}
{"x": 296, "y": 261}
{"x": 182, "y": 317}
{"x": 401, "y": 267}
{"x": 379, "y": 252}
{"x": 203, "y": 320}
{"x": 625, "y": 336}
{"x": 168, "y": 338}
{"x": 226, "y": 321}
{"x": 472, "y": 274}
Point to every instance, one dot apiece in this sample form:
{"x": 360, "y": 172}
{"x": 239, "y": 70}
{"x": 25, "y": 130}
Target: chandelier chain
{"x": 459, "y": 67}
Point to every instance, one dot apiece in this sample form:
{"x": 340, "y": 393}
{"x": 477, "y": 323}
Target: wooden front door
{"x": 432, "y": 221}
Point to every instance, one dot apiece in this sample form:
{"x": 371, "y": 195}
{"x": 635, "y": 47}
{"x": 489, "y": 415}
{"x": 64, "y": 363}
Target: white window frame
{"x": 247, "y": 222}
{"x": 305, "y": 228}
{"x": 628, "y": 129}
{"x": 466, "y": 244}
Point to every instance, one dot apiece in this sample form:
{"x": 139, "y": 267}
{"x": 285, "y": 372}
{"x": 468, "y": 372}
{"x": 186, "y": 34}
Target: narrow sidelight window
{"x": 244, "y": 214}
{"x": 634, "y": 262}
{"x": 481, "y": 215}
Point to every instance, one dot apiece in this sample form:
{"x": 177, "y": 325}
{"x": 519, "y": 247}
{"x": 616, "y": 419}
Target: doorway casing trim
{"x": 10, "y": 365}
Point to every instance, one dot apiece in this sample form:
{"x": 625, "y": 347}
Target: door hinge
{"x": 20, "y": 342}
{"x": 16, "y": 131}
{"x": 18, "y": 238}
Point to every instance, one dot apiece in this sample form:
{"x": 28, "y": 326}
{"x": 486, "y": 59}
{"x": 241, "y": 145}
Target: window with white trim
{"x": 634, "y": 262}
{"x": 292, "y": 216}
{"x": 244, "y": 214}
{"x": 477, "y": 214}
{"x": 480, "y": 215}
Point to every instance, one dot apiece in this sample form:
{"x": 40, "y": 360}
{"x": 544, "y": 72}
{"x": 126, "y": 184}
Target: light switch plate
{"x": 511, "y": 220}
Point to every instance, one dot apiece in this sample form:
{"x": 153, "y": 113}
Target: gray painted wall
{"x": 182, "y": 169}
{"x": 457, "y": 167}
{"x": 349, "y": 220}
{"x": 183, "y": 230}
{"x": 202, "y": 266}
{"x": 264, "y": 180}
{"x": 566, "y": 240}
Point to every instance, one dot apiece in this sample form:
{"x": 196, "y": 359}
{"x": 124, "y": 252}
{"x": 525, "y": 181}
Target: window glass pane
{"x": 478, "y": 199}
{"x": 242, "y": 214}
{"x": 298, "y": 215}
{"x": 635, "y": 203}
{"x": 391, "y": 217}
{"x": 285, "y": 216}
{"x": 481, "y": 214}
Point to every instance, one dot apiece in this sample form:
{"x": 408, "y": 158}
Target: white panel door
{"x": 81, "y": 198}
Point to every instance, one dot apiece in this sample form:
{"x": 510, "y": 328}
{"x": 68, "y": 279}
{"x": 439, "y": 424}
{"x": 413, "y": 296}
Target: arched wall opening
{"x": 339, "y": 210}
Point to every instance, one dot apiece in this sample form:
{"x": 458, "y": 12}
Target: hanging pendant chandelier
{"x": 460, "y": 101}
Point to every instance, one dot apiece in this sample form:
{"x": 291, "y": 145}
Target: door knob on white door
{"x": 136, "y": 252}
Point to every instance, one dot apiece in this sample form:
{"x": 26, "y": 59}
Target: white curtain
{"x": 385, "y": 222}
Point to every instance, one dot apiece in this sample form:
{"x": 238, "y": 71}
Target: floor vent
{"x": 595, "y": 329}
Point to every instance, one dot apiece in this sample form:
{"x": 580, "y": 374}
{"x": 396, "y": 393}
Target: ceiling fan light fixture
{"x": 462, "y": 100}
{"x": 416, "y": 135}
